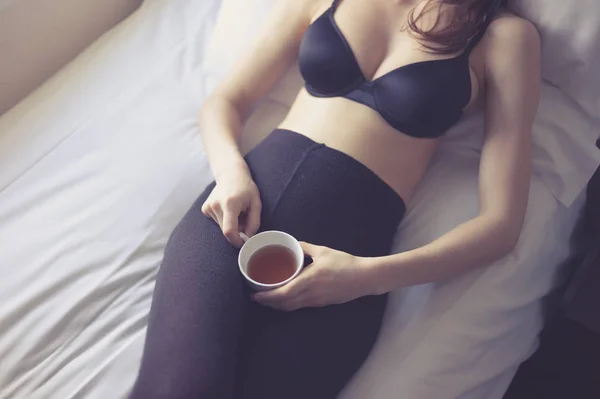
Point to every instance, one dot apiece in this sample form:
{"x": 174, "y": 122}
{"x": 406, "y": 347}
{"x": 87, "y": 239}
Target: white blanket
{"x": 98, "y": 166}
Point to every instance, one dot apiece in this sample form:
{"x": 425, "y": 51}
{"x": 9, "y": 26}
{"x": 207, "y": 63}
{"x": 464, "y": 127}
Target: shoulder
{"x": 511, "y": 46}
{"x": 511, "y": 31}
{"x": 306, "y": 7}
{"x": 293, "y": 13}
{"x": 512, "y": 66}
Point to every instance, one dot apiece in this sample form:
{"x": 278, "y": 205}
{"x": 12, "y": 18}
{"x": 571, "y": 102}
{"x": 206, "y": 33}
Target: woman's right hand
{"x": 235, "y": 205}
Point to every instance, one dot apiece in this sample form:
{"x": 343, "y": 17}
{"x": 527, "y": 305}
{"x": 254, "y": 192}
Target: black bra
{"x": 423, "y": 99}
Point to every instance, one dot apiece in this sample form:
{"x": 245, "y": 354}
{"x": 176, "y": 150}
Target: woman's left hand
{"x": 333, "y": 277}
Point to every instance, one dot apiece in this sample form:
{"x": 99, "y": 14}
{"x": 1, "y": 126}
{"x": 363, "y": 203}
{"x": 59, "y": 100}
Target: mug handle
{"x": 244, "y": 237}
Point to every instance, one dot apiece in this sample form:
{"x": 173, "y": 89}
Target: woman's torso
{"x": 372, "y": 30}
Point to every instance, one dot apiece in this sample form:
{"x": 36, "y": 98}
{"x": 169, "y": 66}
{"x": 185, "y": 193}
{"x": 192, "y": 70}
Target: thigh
{"x": 328, "y": 199}
{"x": 195, "y": 317}
{"x": 310, "y": 353}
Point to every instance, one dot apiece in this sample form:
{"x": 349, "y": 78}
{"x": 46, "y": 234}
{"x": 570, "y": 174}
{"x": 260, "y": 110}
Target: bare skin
{"x": 505, "y": 76}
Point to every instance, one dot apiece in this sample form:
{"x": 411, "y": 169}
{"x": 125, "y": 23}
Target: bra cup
{"x": 403, "y": 97}
{"x": 326, "y": 65}
{"x": 423, "y": 99}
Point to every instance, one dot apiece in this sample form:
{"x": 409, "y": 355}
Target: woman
{"x": 384, "y": 81}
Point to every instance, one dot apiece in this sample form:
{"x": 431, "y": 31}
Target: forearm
{"x": 221, "y": 124}
{"x": 473, "y": 244}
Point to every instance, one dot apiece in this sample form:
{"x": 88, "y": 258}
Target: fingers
{"x": 230, "y": 227}
{"x": 278, "y": 294}
{"x": 253, "y": 217}
{"x": 292, "y": 296}
{"x": 227, "y": 219}
{"x": 208, "y": 211}
{"x": 287, "y": 303}
{"x": 310, "y": 249}
{"x": 213, "y": 211}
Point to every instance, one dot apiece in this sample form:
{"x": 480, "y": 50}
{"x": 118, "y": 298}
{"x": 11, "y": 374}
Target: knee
{"x": 198, "y": 235}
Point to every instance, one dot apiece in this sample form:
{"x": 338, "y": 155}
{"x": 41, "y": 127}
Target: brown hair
{"x": 468, "y": 21}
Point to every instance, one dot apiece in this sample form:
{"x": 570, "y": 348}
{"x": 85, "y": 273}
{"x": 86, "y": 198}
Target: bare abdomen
{"x": 398, "y": 159}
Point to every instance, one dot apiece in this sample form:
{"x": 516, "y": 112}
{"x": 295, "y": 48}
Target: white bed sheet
{"x": 98, "y": 166}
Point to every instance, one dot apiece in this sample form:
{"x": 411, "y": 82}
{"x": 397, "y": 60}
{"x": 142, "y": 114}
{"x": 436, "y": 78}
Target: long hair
{"x": 469, "y": 20}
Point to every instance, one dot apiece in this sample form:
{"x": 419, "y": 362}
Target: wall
{"x": 38, "y": 37}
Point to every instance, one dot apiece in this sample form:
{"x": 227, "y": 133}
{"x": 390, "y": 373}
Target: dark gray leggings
{"x": 207, "y": 340}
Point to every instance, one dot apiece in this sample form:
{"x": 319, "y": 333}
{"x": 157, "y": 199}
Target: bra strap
{"x": 335, "y": 3}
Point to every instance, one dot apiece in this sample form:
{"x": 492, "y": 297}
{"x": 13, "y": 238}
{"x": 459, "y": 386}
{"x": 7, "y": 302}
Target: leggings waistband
{"x": 297, "y": 174}
{"x": 286, "y": 134}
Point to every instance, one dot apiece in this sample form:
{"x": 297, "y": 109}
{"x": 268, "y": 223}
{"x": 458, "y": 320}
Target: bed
{"x": 98, "y": 165}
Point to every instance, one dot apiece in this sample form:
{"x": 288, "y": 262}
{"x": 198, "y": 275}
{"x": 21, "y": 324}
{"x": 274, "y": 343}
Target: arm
{"x": 223, "y": 113}
{"x": 512, "y": 58}
{"x": 512, "y": 75}
{"x": 265, "y": 61}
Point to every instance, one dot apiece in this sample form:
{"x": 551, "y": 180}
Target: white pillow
{"x": 570, "y": 44}
{"x": 565, "y": 130}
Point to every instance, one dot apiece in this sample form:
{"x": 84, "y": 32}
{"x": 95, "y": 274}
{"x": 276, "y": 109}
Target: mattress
{"x": 99, "y": 165}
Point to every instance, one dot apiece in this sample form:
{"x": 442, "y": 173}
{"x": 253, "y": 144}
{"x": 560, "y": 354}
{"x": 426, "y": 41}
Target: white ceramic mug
{"x": 264, "y": 239}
